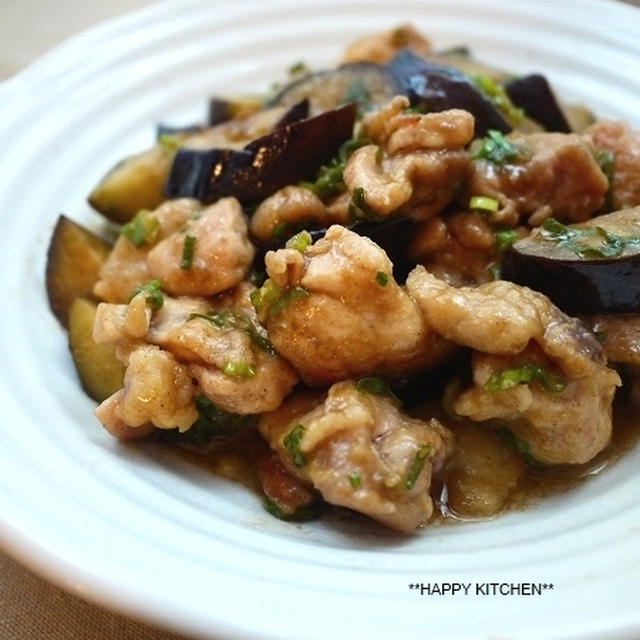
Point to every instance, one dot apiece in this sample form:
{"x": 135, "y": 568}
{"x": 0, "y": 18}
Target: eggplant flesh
{"x": 534, "y": 95}
{"x": 367, "y": 84}
{"x": 437, "y": 87}
{"x": 284, "y": 156}
{"x": 583, "y": 284}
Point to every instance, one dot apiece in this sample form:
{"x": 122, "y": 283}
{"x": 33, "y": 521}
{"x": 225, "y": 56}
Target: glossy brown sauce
{"x": 535, "y": 482}
{"x": 484, "y": 467}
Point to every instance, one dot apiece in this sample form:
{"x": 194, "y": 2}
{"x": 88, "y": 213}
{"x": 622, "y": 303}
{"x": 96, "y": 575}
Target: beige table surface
{"x": 30, "y": 607}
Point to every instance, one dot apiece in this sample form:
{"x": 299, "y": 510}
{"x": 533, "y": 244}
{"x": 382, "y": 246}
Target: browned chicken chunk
{"x": 220, "y": 341}
{"x": 554, "y": 174}
{"x": 536, "y": 370}
{"x": 623, "y": 142}
{"x": 209, "y": 254}
{"x": 360, "y": 451}
{"x": 417, "y": 162}
{"x": 334, "y": 311}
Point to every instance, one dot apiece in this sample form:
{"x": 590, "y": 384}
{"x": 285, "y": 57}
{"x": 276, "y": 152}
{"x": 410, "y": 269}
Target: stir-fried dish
{"x": 407, "y": 286}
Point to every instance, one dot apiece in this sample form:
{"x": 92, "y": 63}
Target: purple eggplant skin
{"x": 218, "y": 111}
{"x": 437, "y": 87}
{"x": 284, "y": 156}
{"x": 534, "y": 95}
{"x": 578, "y": 285}
{"x": 297, "y": 112}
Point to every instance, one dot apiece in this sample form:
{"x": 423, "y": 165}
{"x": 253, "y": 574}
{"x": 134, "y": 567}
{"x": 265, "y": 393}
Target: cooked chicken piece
{"x": 157, "y": 390}
{"x": 288, "y": 210}
{"x": 459, "y": 248}
{"x": 122, "y": 322}
{"x": 619, "y": 336}
{"x": 381, "y": 47}
{"x": 419, "y": 162}
{"x": 335, "y": 312}
{"x": 557, "y": 176}
{"x": 620, "y": 339}
{"x": 536, "y": 370}
{"x": 210, "y": 254}
{"x": 359, "y": 451}
{"x": 126, "y": 267}
{"x": 109, "y": 411}
{"x": 623, "y": 143}
{"x": 221, "y": 340}
{"x": 399, "y": 131}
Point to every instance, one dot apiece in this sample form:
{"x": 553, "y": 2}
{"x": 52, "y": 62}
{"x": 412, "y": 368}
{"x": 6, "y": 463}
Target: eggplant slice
{"x": 285, "y": 156}
{"x": 367, "y": 84}
{"x": 533, "y": 93}
{"x": 592, "y": 267}
{"x": 432, "y": 86}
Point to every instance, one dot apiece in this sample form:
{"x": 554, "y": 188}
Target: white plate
{"x": 144, "y": 532}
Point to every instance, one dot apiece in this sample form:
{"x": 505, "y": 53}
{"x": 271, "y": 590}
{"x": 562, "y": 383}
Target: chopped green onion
{"x": 522, "y": 447}
{"x": 416, "y": 466}
{"x": 524, "y": 374}
{"x": 232, "y": 319}
{"x": 328, "y": 180}
{"x": 292, "y": 445}
{"x": 377, "y": 386}
{"x": 169, "y": 142}
{"x": 484, "y": 203}
{"x": 505, "y": 238}
{"x": 212, "y": 424}
{"x": 359, "y": 209}
{"x": 266, "y": 295}
{"x": 600, "y": 335}
{"x": 295, "y": 293}
{"x": 152, "y": 291}
{"x": 587, "y": 242}
{"x": 187, "y": 252}
{"x": 497, "y": 149}
{"x": 271, "y": 298}
{"x": 298, "y": 68}
{"x": 605, "y": 160}
{"x": 287, "y": 229}
{"x": 382, "y": 278}
{"x": 301, "y": 514}
{"x": 498, "y": 96}
{"x": 239, "y": 369}
{"x": 355, "y": 479}
{"x": 141, "y": 229}
{"x": 300, "y": 241}
{"x": 495, "y": 270}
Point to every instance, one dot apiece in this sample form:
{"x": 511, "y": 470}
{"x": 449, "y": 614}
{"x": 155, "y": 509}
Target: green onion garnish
{"x": 187, "y": 252}
{"x": 511, "y": 376}
{"x": 152, "y": 291}
{"x": 141, "y": 229}
{"x": 300, "y": 241}
{"x": 292, "y": 445}
{"x": 484, "y": 203}
{"x": 416, "y": 466}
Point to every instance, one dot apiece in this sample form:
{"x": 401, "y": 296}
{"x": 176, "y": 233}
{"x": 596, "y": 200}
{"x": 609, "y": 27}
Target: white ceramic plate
{"x": 144, "y": 532}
